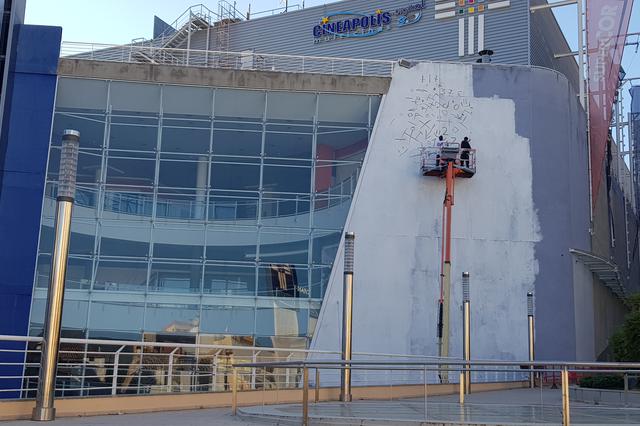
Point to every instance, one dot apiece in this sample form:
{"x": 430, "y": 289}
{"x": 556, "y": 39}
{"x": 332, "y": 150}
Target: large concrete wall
{"x": 513, "y": 224}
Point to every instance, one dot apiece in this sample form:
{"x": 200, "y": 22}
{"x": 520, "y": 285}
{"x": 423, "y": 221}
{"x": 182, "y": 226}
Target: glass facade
{"x": 201, "y": 211}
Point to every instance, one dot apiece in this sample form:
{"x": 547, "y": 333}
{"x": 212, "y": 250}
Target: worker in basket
{"x": 465, "y": 147}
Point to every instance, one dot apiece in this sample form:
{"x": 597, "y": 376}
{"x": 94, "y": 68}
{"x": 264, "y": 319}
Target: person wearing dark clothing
{"x": 465, "y": 146}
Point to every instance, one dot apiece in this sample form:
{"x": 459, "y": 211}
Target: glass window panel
{"x": 287, "y": 179}
{"x": 116, "y": 315}
{"x": 282, "y": 246}
{"x": 339, "y": 144}
{"x": 242, "y": 207}
{"x": 288, "y": 145}
{"x": 221, "y": 319}
{"x": 125, "y": 239}
{"x": 133, "y": 137}
{"x": 38, "y": 307}
{"x": 86, "y": 202}
{"x": 330, "y": 211}
{"x": 178, "y": 243}
{"x": 314, "y": 314}
{"x": 128, "y": 172}
{"x": 230, "y": 280}
{"x": 325, "y": 246}
{"x": 46, "y": 236}
{"x": 79, "y": 273}
{"x": 235, "y": 176}
{"x": 135, "y": 98}
{"x": 172, "y": 318}
{"x": 184, "y": 174}
{"x": 319, "y": 281}
{"x": 187, "y": 100}
{"x": 83, "y": 234}
{"x": 282, "y": 320}
{"x": 290, "y": 210}
{"x": 279, "y": 280}
{"x": 375, "y": 106}
{"x": 49, "y": 204}
{"x": 241, "y": 105}
{"x": 291, "y": 107}
{"x": 189, "y": 206}
{"x": 237, "y": 142}
{"x": 74, "y": 315}
{"x": 135, "y": 203}
{"x": 232, "y": 244}
{"x": 79, "y": 93}
{"x": 175, "y": 278}
{"x": 43, "y": 269}
{"x": 185, "y": 140}
{"x": 336, "y": 179}
{"x": 91, "y": 128}
{"x": 343, "y": 109}
{"x": 121, "y": 276}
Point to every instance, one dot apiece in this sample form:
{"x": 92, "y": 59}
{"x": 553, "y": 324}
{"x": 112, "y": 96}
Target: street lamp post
{"x": 466, "y": 322}
{"x": 347, "y": 316}
{"x": 531, "y": 328}
{"x": 44, "y": 409}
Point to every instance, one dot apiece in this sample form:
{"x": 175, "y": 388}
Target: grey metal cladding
{"x": 506, "y": 32}
{"x": 546, "y": 41}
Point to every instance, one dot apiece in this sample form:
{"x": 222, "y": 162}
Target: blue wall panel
{"x": 24, "y": 143}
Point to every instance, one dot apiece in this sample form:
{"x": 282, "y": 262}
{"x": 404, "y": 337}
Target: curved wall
{"x": 513, "y": 222}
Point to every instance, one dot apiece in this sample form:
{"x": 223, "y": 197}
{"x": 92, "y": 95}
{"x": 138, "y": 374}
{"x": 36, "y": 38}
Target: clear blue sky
{"x": 120, "y": 21}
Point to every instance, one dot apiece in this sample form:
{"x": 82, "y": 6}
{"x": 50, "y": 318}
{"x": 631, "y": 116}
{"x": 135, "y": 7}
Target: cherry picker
{"x": 448, "y": 161}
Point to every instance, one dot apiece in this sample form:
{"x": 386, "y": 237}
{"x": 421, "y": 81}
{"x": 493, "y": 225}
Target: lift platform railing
{"x": 434, "y": 158}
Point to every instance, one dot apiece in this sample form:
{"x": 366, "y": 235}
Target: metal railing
{"x": 140, "y": 53}
{"x": 271, "y": 12}
{"x": 419, "y": 372}
{"x": 98, "y": 367}
{"x": 432, "y": 158}
{"x": 169, "y": 207}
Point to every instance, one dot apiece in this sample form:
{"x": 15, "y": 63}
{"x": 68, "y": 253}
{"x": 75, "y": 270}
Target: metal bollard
{"x": 466, "y": 323}
{"x": 566, "y": 416}
{"x": 317, "y": 395}
{"x": 234, "y": 394}
{"x": 462, "y": 388}
{"x": 305, "y": 396}
{"x": 626, "y": 389}
{"x": 530, "y": 319}
{"x": 347, "y": 317}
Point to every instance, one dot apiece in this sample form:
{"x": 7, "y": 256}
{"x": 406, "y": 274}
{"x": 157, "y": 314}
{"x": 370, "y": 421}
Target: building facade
{"x": 214, "y": 187}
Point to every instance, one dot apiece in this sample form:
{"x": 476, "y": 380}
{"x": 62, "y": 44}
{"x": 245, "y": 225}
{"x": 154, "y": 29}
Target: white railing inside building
{"x": 248, "y": 60}
{"x": 92, "y": 367}
{"x": 141, "y": 204}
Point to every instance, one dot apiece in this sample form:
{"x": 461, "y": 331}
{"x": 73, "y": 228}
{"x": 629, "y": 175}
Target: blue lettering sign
{"x": 356, "y": 25}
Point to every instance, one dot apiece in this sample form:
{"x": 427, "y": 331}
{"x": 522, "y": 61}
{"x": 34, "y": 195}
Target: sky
{"x": 121, "y": 21}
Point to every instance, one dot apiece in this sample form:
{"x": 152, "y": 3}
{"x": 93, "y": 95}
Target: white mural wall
{"x": 396, "y": 215}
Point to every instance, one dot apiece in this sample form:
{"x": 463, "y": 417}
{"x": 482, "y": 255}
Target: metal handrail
{"x": 229, "y": 60}
{"x": 140, "y": 204}
{"x": 529, "y": 368}
{"x": 581, "y": 365}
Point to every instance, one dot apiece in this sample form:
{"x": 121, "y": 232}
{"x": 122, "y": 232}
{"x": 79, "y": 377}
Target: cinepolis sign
{"x": 357, "y": 25}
